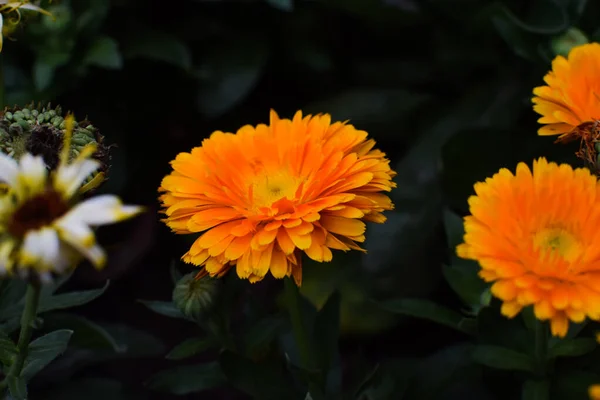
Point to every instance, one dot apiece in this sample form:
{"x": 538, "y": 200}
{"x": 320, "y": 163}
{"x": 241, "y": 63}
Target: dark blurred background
{"x": 444, "y": 86}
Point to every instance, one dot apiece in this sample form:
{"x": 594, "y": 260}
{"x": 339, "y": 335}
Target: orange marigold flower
{"x": 535, "y": 235}
{"x": 267, "y": 193}
{"x": 594, "y": 392}
{"x": 572, "y": 94}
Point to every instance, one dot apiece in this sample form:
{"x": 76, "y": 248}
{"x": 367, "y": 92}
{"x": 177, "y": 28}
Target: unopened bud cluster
{"x": 39, "y": 130}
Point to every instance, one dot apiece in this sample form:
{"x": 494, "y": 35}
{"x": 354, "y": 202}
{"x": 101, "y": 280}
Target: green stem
{"x": 300, "y": 334}
{"x": 541, "y": 347}
{"x": 32, "y": 299}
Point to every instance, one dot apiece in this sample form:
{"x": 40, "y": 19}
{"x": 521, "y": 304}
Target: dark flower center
{"x": 45, "y": 141}
{"x": 37, "y": 212}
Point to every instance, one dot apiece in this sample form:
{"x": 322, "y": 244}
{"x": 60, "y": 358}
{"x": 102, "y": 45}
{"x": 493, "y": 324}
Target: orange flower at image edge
{"x": 572, "y": 95}
{"x": 594, "y": 392}
{"x": 535, "y": 235}
{"x": 265, "y": 194}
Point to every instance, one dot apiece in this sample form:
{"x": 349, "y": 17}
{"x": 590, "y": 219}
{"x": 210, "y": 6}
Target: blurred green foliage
{"x": 443, "y": 86}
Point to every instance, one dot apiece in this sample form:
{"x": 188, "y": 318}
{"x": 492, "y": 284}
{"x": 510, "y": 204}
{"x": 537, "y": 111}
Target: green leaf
{"x": 572, "y": 347}
{"x": 165, "y": 308}
{"x": 503, "y": 358}
{"x": 17, "y": 387}
{"x": 514, "y": 37}
{"x": 71, "y": 299}
{"x": 8, "y": 349}
{"x": 87, "y": 334}
{"x": 188, "y": 379}
{"x": 429, "y": 310}
{"x": 262, "y": 333}
{"x": 134, "y": 342}
{"x": 228, "y": 74}
{"x": 190, "y": 347}
{"x": 42, "y": 74}
{"x": 462, "y": 276}
{"x": 160, "y": 46}
{"x": 283, "y": 5}
{"x": 43, "y": 350}
{"x": 326, "y": 332}
{"x": 536, "y": 390}
{"x": 550, "y": 18}
{"x": 57, "y": 283}
{"x": 267, "y": 380}
{"x": 45, "y": 66}
{"x": 104, "y": 52}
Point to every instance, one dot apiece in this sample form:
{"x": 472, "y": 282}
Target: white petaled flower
{"x": 43, "y": 227}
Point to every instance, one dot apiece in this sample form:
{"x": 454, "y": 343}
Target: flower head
{"x": 43, "y": 229}
{"x": 535, "y": 236}
{"x": 268, "y": 193}
{"x": 12, "y": 9}
{"x": 39, "y": 130}
{"x": 571, "y": 96}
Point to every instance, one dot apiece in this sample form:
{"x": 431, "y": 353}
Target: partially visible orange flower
{"x": 535, "y": 235}
{"x": 268, "y": 193}
{"x": 572, "y": 94}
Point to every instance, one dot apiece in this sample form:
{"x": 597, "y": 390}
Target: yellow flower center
{"x": 558, "y": 241}
{"x": 267, "y": 189}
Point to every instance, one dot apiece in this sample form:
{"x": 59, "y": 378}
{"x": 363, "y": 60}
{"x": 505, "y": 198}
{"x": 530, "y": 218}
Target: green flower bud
{"x": 195, "y": 297}
{"x": 562, "y": 45}
{"x": 39, "y": 131}
{"x": 486, "y": 298}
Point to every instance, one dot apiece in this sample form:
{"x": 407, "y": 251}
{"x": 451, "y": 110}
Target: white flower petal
{"x": 33, "y": 174}
{"x": 102, "y": 210}
{"x": 73, "y": 231}
{"x": 50, "y": 247}
{"x": 9, "y": 169}
{"x": 81, "y": 237}
{"x": 32, "y": 7}
{"x": 40, "y": 249}
{"x": 70, "y": 177}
